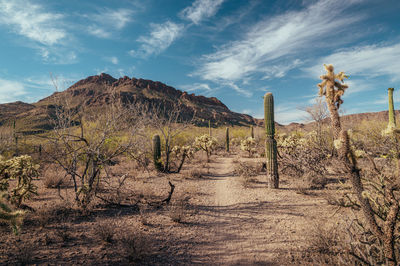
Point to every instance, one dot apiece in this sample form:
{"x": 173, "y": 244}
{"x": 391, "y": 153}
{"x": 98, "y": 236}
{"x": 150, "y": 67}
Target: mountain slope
{"x": 97, "y": 91}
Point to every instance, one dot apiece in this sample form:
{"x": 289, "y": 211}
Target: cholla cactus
{"x": 248, "y": 145}
{"x": 332, "y": 95}
{"x": 22, "y": 169}
{"x": 182, "y": 152}
{"x": 13, "y": 218}
{"x": 205, "y": 143}
{"x": 235, "y": 141}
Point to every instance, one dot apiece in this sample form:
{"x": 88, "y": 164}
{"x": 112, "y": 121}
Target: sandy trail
{"x": 257, "y": 225}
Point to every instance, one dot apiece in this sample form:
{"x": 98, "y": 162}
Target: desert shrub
{"x": 248, "y": 145}
{"x": 106, "y": 231}
{"x": 195, "y": 173}
{"x": 54, "y": 177}
{"x": 247, "y": 172}
{"x": 205, "y": 143}
{"x": 177, "y": 211}
{"x": 301, "y": 153}
{"x": 135, "y": 246}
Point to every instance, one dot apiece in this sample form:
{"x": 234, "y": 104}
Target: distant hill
{"x": 96, "y": 91}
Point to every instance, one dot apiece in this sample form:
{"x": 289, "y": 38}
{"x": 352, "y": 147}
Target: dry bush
{"x": 327, "y": 246}
{"x": 106, "y": 231}
{"x": 53, "y": 177}
{"x": 247, "y": 171}
{"x": 314, "y": 181}
{"x": 135, "y": 246}
{"x": 195, "y": 174}
{"x": 55, "y": 213}
{"x": 177, "y": 211}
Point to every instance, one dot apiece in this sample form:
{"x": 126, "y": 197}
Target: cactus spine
{"x": 392, "y": 119}
{"x": 227, "y": 139}
{"x": 252, "y": 132}
{"x": 157, "y": 152}
{"x": 270, "y": 142}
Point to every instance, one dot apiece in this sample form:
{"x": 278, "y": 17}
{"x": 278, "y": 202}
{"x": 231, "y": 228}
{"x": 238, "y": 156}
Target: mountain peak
{"x": 103, "y": 78}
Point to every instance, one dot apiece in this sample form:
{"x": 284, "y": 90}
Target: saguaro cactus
{"x": 209, "y": 128}
{"x": 227, "y": 139}
{"x": 392, "y": 119}
{"x": 157, "y": 152}
{"x": 252, "y": 132}
{"x": 270, "y": 142}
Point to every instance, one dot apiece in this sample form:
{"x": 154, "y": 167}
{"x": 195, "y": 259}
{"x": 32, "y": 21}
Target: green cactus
{"x": 209, "y": 128}
{"x": 270, "y": 142}
{"x": 157, "y": 152}
{"x": 252, "y": 132}
{"x": 227, "y": 139}
{"x": 392, "y": 118}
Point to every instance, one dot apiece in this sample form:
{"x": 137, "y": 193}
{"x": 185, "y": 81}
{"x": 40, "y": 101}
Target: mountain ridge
{"x": 96, "y": 91}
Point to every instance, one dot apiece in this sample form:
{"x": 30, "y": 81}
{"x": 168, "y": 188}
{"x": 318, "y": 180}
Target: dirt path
{"x": 256, "y": 225}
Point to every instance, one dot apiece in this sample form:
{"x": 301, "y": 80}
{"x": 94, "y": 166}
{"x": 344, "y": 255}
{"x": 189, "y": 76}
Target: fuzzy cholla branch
{"x": 205, "y": 143}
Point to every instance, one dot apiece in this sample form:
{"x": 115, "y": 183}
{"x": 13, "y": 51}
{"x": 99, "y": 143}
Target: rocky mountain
{"x": 97, "y": 91}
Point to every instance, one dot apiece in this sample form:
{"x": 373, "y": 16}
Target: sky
{"x": 235, "y": 50}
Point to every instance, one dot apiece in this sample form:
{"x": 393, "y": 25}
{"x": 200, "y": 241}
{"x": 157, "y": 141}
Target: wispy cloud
{"x": 106, "y": 21}
{"x": 363, "y": 61}
{"x": 113, "y": 59}
{"x": 160, "y": 38}
{"x": 196, "y": 87}
{"x": 200, "y": 10}
{"x": 285, "y": 114}
{"x": 275, "y": 38}
{"x": 11, "y": 90}
{"x": 32, "y": 21}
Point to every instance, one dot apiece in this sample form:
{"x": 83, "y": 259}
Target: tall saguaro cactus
{"x": 227, "y": 139}
{"x": 252, "y": 132}
{"x": 209, "y": 128}
{"x": 157, "y": 152}
{"x": 270, "y": 142}
{"x": 392, "y": 119}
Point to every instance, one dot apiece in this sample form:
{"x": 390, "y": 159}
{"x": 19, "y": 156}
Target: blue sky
{"x": 235, "y": 50}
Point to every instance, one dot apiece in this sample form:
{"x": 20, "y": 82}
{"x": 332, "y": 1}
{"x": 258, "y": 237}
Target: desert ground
{"x": 215, "y": 217}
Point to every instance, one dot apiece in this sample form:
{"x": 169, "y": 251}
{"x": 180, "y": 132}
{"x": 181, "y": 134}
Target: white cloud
{"x": 196, "y": 87}
{"x": 11, "y": 91}
{"x": 200, "y": 10}
{"x": 285, "y": 114}
{"x": 367, "y": 61}
{"x": 161, "y": 37}
{"x": 113, "y": 59}
{"x": 32, "y": 21}
{"x": 106, "y": 21}
{"x": 276, "y": 38}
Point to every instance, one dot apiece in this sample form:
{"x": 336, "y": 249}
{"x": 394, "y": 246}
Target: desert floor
{"x": 215, "y": 219}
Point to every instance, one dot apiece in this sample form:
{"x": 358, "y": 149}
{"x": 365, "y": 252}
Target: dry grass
{"x": 54, "y": 177}
{"x": 177, "y": 211}
{"x": 135, "y": 246}
{"x": 106, "y": 230}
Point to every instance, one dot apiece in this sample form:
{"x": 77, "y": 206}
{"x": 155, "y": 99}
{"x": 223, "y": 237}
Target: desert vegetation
{"x": 146, "y": 183}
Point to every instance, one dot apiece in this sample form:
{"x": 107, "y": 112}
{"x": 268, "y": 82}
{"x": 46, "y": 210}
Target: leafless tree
{"x": 85, "y": 142}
